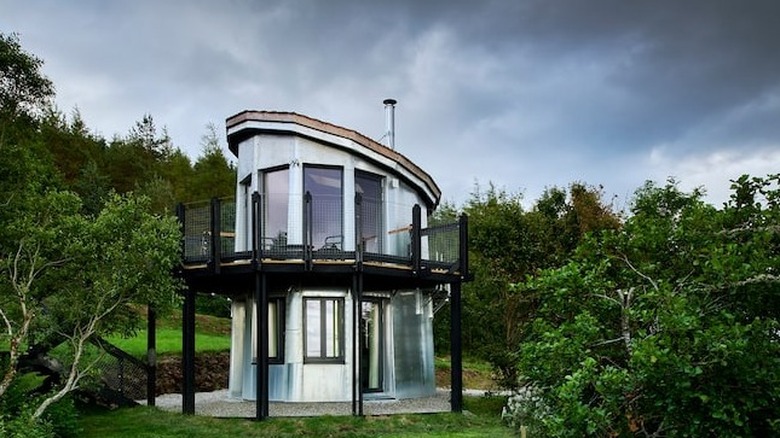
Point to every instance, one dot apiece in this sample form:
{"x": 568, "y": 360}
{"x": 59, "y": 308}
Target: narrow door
{"x": 372, "y": 351}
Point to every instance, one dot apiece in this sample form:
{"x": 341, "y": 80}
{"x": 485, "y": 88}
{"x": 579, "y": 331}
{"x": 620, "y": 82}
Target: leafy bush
{"x": 17, "y": 405}
{"x": 668, "y": 326}
{"x": 214, "y": 305}
{"x": 64, "y": 418}
{"x": 23, "y": 425}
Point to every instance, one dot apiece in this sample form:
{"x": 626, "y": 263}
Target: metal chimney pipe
{"x": 390, "y": 122}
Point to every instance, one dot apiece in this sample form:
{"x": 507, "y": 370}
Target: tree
{"x": 61, "y": 259}
{"x": 123, "y": 256}
{"x": 508, "y": 245}
{"x": 666, "y": 326}
{"x": 24, "y": 90}
{"x": 214, "y": 176}
{"x": 31, "y": 246}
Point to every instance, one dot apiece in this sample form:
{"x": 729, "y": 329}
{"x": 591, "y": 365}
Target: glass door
{"x": 372, "y": 348}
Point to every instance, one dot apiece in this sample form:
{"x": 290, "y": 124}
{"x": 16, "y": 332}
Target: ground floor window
{"x": 324, "y": 327}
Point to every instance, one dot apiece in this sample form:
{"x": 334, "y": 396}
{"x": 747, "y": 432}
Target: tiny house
{"x": 330, "y": 262}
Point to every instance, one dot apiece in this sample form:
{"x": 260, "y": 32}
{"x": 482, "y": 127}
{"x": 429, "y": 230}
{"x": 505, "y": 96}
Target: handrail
{"x": 207, "y": 239}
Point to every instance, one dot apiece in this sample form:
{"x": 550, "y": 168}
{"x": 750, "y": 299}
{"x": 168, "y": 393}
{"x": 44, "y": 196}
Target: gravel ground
{"x": 217, "y": 404}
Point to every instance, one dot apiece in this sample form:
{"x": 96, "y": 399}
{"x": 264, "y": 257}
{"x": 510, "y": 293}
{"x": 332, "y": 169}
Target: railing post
{"x": 257, "y": 242}
{"x": 180, "y": 212}
{"x": 463, "y": 248}
{"x": 307, "y": 230}
{"x": 416, "y": 238}
{"x": 359, "y": 230}
{"x": 216, "y": 241}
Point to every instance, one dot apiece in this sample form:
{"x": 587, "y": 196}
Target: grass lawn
{"x": 477, "y": 374}
{"x": 169, "y": 342}
{"x": 212, "y": 334}
{"x": 142, "y": 422}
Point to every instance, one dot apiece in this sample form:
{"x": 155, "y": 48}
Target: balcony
{"x": 313, "y": 233}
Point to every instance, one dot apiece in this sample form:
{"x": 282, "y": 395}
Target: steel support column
{"x": 456, "y": 351}
{"x": 151, "y": 355}
{"x": 355, "y": 336}
{"x": 188, "y": 353}
{"x": 261, "y": 346}
{"x": 359, "y": 305}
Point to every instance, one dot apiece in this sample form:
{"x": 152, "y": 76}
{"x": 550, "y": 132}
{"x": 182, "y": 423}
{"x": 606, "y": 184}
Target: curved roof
{"x": 247, "y": 123}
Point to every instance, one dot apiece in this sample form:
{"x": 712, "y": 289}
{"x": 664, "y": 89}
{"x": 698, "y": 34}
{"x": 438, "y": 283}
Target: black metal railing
{"x": 315, "y": 230}
{"x": 123, "y": 377}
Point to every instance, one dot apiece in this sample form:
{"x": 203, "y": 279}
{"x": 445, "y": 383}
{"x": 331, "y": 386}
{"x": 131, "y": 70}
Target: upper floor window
{"x": 369, "y": 187}
{"x": 276, "y": 198}
{"x": 325, "y": 186}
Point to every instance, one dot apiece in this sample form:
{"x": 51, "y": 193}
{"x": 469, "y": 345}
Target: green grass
{"x": 477, "y": 374}
{"x": 212, "y": 334}
{"x": 143, "y": 422}
{"x": 169, "y": 342}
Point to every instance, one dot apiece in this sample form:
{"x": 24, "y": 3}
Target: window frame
{"x": 339, "y": 357}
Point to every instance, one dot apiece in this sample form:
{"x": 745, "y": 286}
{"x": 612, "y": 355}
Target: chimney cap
{"x": 390, "y": 101}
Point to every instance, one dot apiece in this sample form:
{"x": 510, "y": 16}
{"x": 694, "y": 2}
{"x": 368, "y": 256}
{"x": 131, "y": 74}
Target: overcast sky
{"x": 526, "y": 94}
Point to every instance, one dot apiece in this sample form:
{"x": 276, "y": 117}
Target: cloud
{"x": 526, "y": 94}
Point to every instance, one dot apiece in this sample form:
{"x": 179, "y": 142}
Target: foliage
{"x": 24, "y": 90}
{"x": 17, "y": 407}
{"x": 215, "y": 176}
{"x": 212, "y": 304}
{"x": 666, "y": 326}
{"x": 74, "y": 254}
{"x": 508, "y": 244}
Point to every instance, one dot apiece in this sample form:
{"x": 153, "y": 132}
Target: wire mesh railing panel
{"x": 227, "y": 221}
{"x": 441, "y": 244}
{"x": 314, "y": 228}
{"x": 122, "y": 375}
{"x": 197, "y": 234}
{"x": 372, "y": 225}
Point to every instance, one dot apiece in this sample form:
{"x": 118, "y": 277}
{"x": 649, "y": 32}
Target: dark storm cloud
{"x": 524, "y": 93}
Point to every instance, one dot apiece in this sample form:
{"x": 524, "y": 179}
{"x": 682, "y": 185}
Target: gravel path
{"x": 217, "y": 404}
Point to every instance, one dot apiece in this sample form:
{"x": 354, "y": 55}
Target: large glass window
{"x": 276, "y": 197}
{"x": 275, "y": 330}
{"x": 325, "y": 186}
{"x": 324, "y": 325}
{"x": 370, "y": 188}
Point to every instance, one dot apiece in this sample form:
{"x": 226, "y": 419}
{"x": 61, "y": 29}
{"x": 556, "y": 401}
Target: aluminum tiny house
{"x": 330, "y": 263}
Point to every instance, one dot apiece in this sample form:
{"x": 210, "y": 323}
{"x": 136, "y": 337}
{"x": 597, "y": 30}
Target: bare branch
{"x": 760, "y": 278}
{"x": 8, "y": 325}
{"x": 636, "y": 271}
{"x": 608, "y": 342}
{"x": 606, "y": 297}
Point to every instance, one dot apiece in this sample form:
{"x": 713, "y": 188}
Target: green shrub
{"x": 64, "y": 418}
{"x": 23, "y": 425}
{"x": 20, "y": 401}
